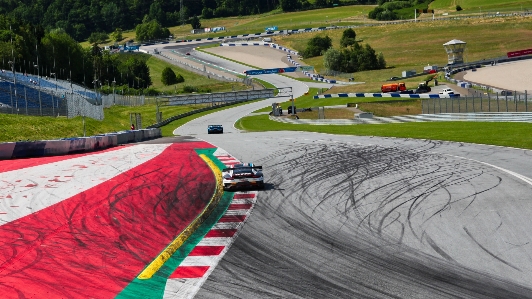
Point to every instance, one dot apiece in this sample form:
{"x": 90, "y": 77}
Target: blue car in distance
{"x": 215, "y": 129}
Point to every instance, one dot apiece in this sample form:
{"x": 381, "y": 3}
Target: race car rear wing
{"x": 231, "y": 168}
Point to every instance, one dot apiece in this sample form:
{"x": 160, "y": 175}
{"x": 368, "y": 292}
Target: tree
{"x": 290, "y": 5}
{"x": 333, "y": 59}
{"x": 348, "y": 38}
{"x": 320, "y": 3}
{"x": 195, "y": 22}
{"x": 98, "y": 37}
{"x": 138, "y": 72}
{"x": 157, "y": 13}
{"x": 168, "y": 76}
{"x": 117, "y": 35}
{"x": 381, "y": 61}
{"x": 151, "y": 30}
{"x": 316, "y": 46}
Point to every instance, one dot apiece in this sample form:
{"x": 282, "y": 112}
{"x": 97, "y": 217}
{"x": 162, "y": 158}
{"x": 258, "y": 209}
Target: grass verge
{"x": 503, "y": 134}
{"x": 30, "y": 128}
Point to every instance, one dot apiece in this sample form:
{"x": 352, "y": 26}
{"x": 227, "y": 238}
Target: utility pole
{"x": 39, "y": 77}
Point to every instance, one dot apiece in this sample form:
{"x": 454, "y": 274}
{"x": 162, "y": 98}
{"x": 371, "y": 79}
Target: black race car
{"x": 215, "y": 129}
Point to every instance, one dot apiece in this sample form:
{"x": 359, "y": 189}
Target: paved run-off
{"x": 86, "y": 226}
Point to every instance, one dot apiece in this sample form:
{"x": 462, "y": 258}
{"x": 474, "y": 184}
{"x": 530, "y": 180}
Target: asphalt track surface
{"x": 370, "y": 217}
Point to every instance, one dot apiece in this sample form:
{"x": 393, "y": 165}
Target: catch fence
{"x": 508, "y": 102}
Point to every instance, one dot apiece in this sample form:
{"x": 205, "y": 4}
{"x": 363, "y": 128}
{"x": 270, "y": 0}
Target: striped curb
{"x": 267, "y": 33}
{"x": 382, "y": 95}
{"x": 154, "y": 266}
{"x": 473, "y": 117}
{"x": 194, "y": 270}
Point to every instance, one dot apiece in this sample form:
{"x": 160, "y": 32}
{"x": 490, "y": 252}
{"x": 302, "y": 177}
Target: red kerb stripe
{"x": 220, "y": 233}
{"x": 232, "y": 218}
{"x": 244, "y": 195}
{"x": 240, "y": 206}
{"x": 189, "y": 272}
{"x": 206, "y": 250}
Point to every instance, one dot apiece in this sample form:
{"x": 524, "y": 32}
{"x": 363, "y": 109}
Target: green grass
{"x": 345, "y": 15}
{"x": 503, "y": 134}
{"x": 168, "y": 129}
{"x": 476, "y": 6}
{"x": 24, "y": 128}
{"x": 412, "y": 46}
{"x": 191, "y": 79}
{"x": 308, "y": 101}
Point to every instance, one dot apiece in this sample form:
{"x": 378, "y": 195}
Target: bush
{"x": 195, "y": 22}
{"x": 189, "y": 89}
{"x": 98, "y": 37}
{"x": 168, "y": 76}
{"x": 348, "y": 38}
{"x": 316, "y": 46}
{"x": 354, "y": 59}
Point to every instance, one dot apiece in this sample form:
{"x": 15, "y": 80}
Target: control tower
{"x": 455, "y": 51}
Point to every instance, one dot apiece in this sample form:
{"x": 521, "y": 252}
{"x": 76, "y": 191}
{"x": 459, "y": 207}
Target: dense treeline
{"x": 389, "y": 10}
{"x": 29, "y": 49}
{"x": 80, "y": 18}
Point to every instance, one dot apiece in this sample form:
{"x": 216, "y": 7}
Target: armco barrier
{"x": 289, "y": 57}
{"x": 27, "y": 149}
{"x": 56, "y": 147}
{"x": 6, "y": 150}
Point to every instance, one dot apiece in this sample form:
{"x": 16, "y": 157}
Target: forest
{"x": 80, "y": 18}
{"x": 43, "y": 36}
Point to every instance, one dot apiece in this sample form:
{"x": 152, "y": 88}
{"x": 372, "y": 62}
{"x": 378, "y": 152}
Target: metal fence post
{"x": 489, "y": 103}
{"x": 473, "y": 104}
{"x": 466, "y": 105}
{"x": 481, "y": 103}
{"x": 506, "y": 99}
{"x": 526, "y": 102}
{"x": 515, "y": 100}
{"x": 11, "y": 96}
{"x": 26, "y": 100}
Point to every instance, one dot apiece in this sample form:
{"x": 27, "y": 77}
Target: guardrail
{"x": 28, "y": 149}
{"x": 183, "y": 115}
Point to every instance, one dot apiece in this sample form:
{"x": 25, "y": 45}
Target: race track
{"x": 360, "y": 217}
{"x": 369, "y": 217}
{"x": 341, "y": 217}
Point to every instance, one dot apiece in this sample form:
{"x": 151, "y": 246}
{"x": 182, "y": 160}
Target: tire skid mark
{"x": 489, "y": 252}
{"x": 386, "y": 196}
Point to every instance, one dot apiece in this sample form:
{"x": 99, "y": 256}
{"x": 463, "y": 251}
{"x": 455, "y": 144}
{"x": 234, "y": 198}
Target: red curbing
{"x": 191, "y": 274}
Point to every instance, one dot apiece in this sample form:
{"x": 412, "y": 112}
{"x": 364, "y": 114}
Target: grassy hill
{"x": 411, "y": 46}
{"x": 481, "y": 6}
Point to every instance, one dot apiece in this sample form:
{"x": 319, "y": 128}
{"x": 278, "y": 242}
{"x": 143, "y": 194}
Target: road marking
{"x": 515, "y": 174}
